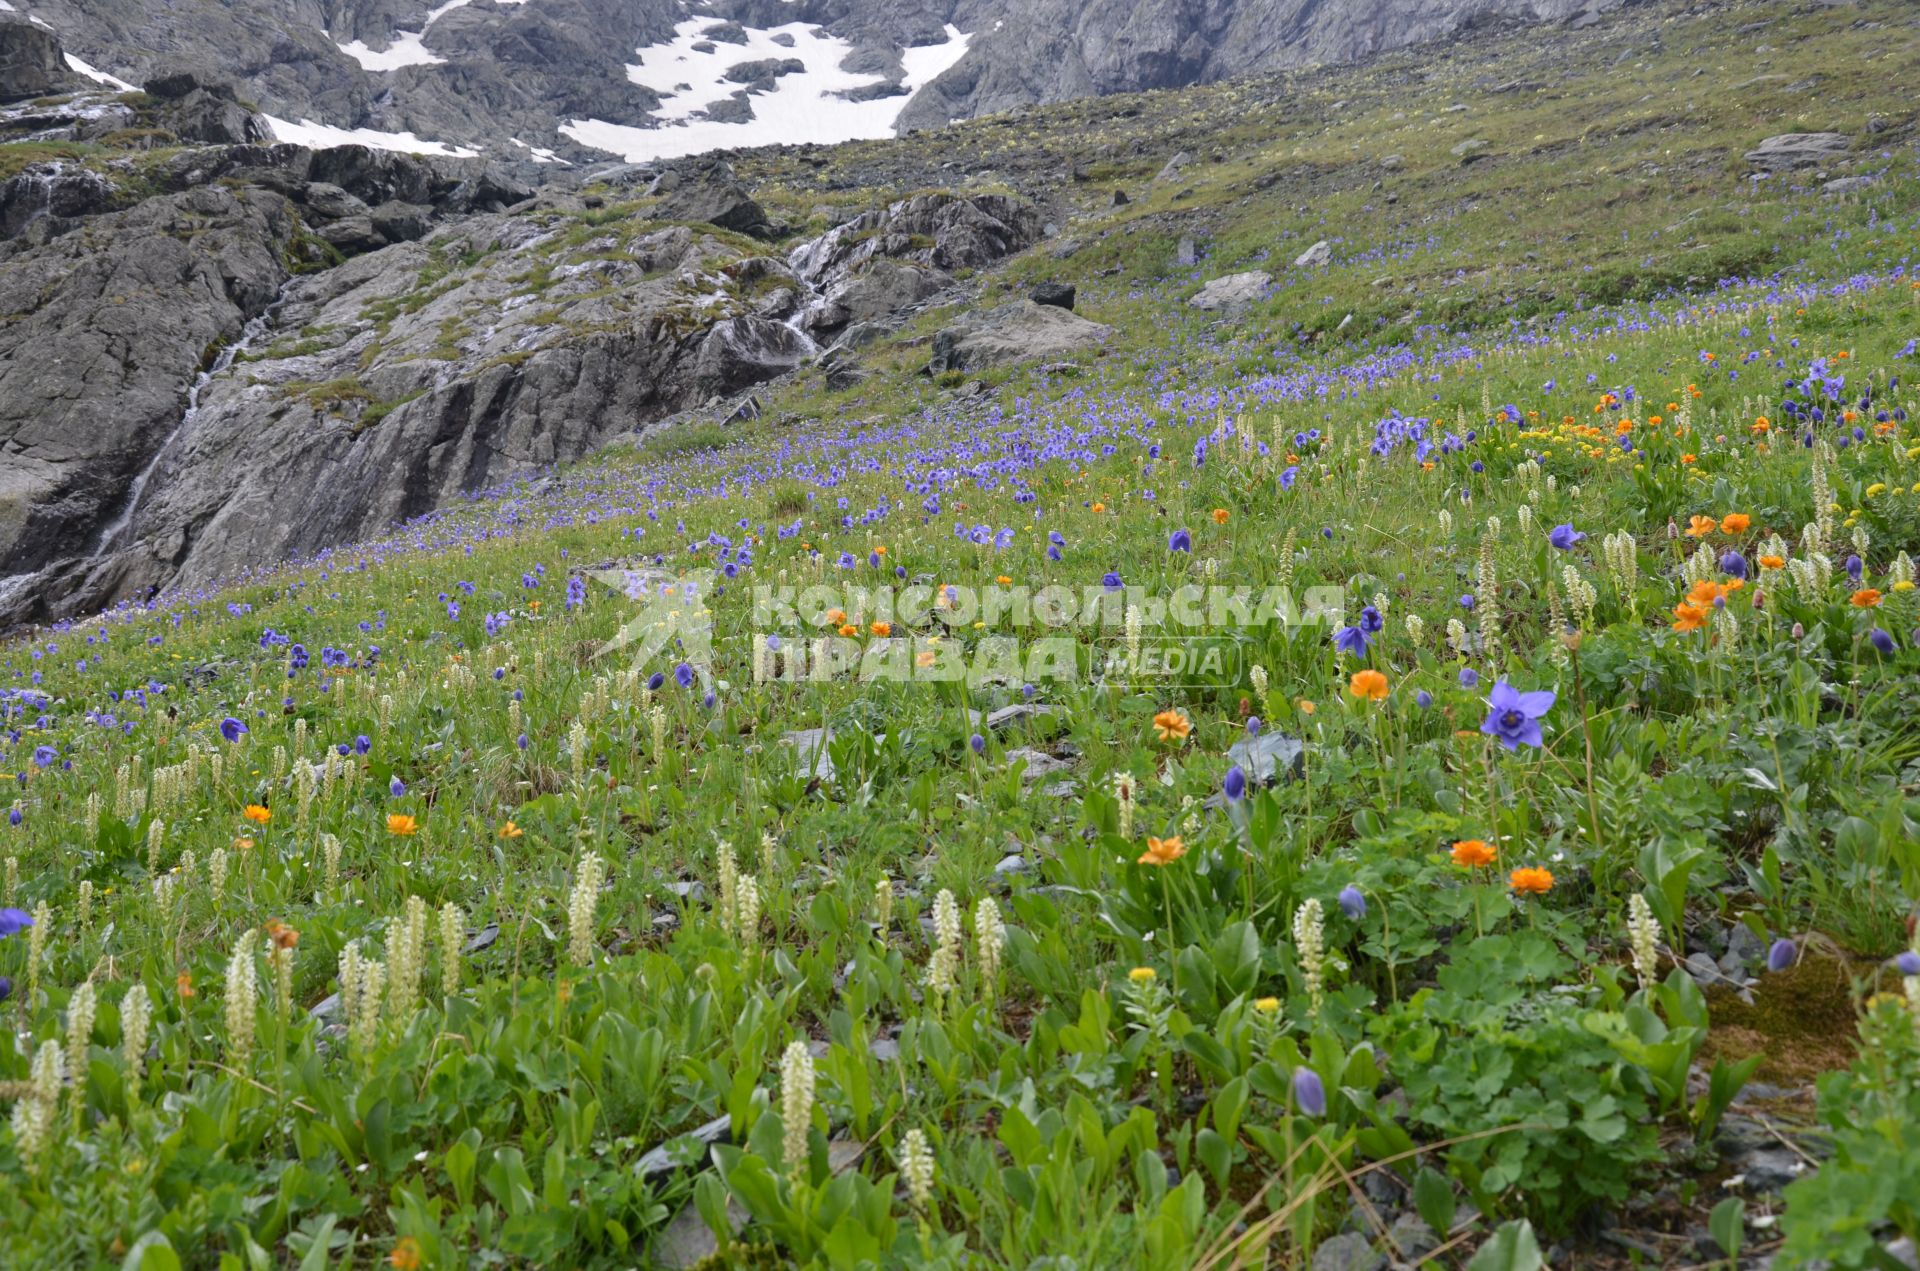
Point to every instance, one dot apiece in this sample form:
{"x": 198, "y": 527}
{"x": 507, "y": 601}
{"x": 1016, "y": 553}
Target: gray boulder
{"x": 1060, "y": 295}
{"x": 32, "y": 63}
{"x": 1318, "y": 254}
{"x": 1235, "y": 291}
{"x": 708, "y": 194}
{"x": 1799, "y": 150}
{"x": 1018, "y": 332}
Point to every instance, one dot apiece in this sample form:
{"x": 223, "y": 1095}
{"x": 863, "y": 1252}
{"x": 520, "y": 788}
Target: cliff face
{"x": 517, "y": 80}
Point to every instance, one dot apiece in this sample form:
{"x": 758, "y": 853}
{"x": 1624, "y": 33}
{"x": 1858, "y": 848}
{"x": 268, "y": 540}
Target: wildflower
{"x": 1531, "y": 881}
{"x": 1643, "y": 939}
{"x": 1369, "y": 684}
{"x": 1352, "y": 902}
{"x": 880, "y": 628}
{"x": 1267, "y": 1005}
{"x": 232, "y": 729}
{"x": 990, "y": 941}
{"x": 1309, "y": 1093}
{"x": 1908, "y": 963}
{"x": 1423, "y": 699}
{"x": 1701, "y": 526}
{"x": 1235, "y": 784}
{"x": 405, "y": 1255}
{"x": 1865, "y": 598}
{"x": 1735, "y": 523}
{"x": 916, "y": 1169}
{"x": 1310, "y": 946}
{"x": 1782, "y": 955}
{"x": 1733, "y": 564}
{"x": 581, "y": 903}
{"x": 977, "y": 744}
{"x": 1172, "y": 725}
{"x": 136, "y": 1016}
{"x": 1142, "y": 975}
{"x": 1563, "y": 537}
{"x": 1881, "y": 640}
{"x": 943, "y": 967}
{"x": 243, "y": 989}
{"x": 511, "y": 831}
{"x": 1180, "y": 541}
{"x": 1351, "y": 640}
{"x": 402, "y": 825}
{"x": 13, "y": 921}
{"x": 1514, "y": 717}
{"x": 1162, "y": 851}
{"x": 1472, "y": 853}
{"x": 257, "y": 814}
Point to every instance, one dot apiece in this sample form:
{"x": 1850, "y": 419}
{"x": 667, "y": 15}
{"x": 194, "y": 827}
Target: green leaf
{"x": 1727, "y": 1224}
{"x": 1434, "y": 1200}
{"x": 1510, "y": 1248}
{"x": 151, "y": 1252}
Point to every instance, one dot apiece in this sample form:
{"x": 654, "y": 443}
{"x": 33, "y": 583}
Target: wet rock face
{"x": 114, "y": 326}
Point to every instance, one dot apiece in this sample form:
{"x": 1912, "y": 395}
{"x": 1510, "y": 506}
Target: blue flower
{"x": 1908, "y": 963}
{"x": 13, "y": 921}
{"x": 1351, "y": 640}
{"x": 1371, "y": 622}
{"x": 1881, "y": 640}
{"x": 1733, "y": 564}
{"x": 1309, "y": 1093}
{"x": 1180, "y": 541}
{"x": 1253, "y": 725}
{"x": 1236, "y": 783}
{"x": 1514, "y": 717}
{"x": 44, "y": 756}
{"x": 1782, "y": 955}
{"x": 396, "y": 787}
{"x": 978, "y": 744}
{"x": 683, "y": 675}
{"x": 1352, "y": 903}
{"x": 1466, "y": 600}
{"x": 1564, "y": 537}
{"x": 1469, "y": 677}
{"x": 232, "y": 729}
{"x": 1423, "y": 699}
{"x": 1111, "y": 581}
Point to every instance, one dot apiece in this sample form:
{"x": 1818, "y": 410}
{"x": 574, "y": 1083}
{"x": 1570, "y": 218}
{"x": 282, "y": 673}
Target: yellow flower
{"x": 1267, "y": 1005}
{"x": 401, "y": 824}
{"x": 511, "y": 831}
{"x": 257, "y": 814}
{"x": 1142, "y": 975}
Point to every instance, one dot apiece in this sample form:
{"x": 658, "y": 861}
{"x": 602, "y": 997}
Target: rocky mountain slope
{"x": 575, "y": 80}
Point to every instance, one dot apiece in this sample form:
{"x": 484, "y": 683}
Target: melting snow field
{"x": 804, "y": 106}
{"x": 320, "y": 136}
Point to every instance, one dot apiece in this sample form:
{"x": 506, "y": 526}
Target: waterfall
{"x": 121, "y": 523}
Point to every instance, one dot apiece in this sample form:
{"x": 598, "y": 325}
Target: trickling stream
{"x": 257, "y": 327}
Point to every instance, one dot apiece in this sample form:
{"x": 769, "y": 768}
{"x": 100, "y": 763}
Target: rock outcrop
{"x": 1019, "y": 332}
{"x": 32, "y": 63}
{"x": 890, "y": 259}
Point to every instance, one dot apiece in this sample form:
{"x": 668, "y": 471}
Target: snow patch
{"x": 805, "y": 106}
{"x": 99, "y": 77}
{"x": 540, "y": 155}
{"x": 406, "y": 48}
{"x": 321, "y": 136}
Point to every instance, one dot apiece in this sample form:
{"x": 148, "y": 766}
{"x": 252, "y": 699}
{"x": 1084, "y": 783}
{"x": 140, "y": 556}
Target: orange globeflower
{"x": 1219, "y": 516}
{"x": 401, "y": 824}
{"x": 1098, "y": 508}
{"x": 1369, "y": 684}
{"x": 1688, "y": 617}
{"x": 1531, "y": 881}
{"x": 849, "y": 631}
{"x": 405, "y": 1255}
{"x": 257, "y": 814}
{"x": 1172, "y": 726}
{"x": 1866, "y": 598}
{"x": 1701, "y": 526}
{"x": 183, "y": 985}
{"x": 1694, "y": 459}
{"x": 1472, "y": 853}
{"x": 836, "y": 616}
{"x": 511, "y": 831}
{"x": 1162, "y": 851}
{"x": 1735, "y": 523}
{"x": 1773, "y": 562}
{"x": 282, "y": 936}
{"x": 881, "y": 628}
